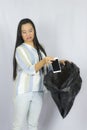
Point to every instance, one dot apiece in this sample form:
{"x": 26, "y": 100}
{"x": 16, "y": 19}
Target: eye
{"x": 24, "y": 32}
{"x": 30, "y": 30}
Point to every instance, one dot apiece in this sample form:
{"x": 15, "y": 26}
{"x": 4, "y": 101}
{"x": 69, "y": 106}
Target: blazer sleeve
{"x": 24, "y": 61}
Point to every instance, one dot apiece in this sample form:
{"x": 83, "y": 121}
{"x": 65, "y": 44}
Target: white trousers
{"x": 27, "y": 108}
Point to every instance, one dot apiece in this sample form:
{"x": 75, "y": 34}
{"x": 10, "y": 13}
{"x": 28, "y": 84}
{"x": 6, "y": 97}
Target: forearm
{"x": 39, "y": 65}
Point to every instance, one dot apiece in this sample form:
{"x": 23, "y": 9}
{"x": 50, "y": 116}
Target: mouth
{"x": 28, "y": 38}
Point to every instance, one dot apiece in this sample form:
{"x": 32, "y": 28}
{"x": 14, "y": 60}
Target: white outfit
{"x": 27, "y": 110}
{"x": 27, "y": 79}
{"x": 28, "y": 88}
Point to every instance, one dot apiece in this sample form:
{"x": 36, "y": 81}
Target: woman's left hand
{"x": 62, "y": 62}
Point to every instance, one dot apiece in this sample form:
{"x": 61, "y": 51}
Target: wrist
{"x": 44, "y": 61}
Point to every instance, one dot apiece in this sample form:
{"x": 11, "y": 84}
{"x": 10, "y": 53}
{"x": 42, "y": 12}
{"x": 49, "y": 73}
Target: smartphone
{"x": 56, "y": 65}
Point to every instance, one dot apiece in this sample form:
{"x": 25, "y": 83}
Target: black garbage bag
{"x": 64, "y": 86}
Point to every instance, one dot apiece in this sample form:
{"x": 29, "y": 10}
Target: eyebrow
{"x": 29, "y": 29}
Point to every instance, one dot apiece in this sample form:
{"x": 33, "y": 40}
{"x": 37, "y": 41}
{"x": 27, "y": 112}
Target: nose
{"x": 28, "y": 33}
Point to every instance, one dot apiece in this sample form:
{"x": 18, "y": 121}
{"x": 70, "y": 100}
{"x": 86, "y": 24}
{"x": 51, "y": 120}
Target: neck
{"x": 30, "y": 43}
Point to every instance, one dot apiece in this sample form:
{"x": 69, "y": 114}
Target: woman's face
{"x": 27, "y": 32}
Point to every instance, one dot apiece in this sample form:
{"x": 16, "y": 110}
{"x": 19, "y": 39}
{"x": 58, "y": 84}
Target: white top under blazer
{"x": 27, "y": 79}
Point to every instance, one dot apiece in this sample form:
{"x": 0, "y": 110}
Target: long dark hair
{"x": 19, "y": 41}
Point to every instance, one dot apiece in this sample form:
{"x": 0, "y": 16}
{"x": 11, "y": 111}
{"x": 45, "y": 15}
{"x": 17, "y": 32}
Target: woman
{"x": 29, "y": 67}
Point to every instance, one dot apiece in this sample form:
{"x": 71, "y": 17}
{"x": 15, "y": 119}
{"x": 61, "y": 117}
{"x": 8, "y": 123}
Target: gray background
{"x": 62, "y": 29}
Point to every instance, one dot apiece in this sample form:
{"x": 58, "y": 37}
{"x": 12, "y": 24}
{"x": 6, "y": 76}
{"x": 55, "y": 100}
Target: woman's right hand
{"x": 48, "y": 59}
{"x": 45, "y": 61}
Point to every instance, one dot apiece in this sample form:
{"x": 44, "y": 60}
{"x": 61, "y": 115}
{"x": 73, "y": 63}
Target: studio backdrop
{"x": 62, "y": 29}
